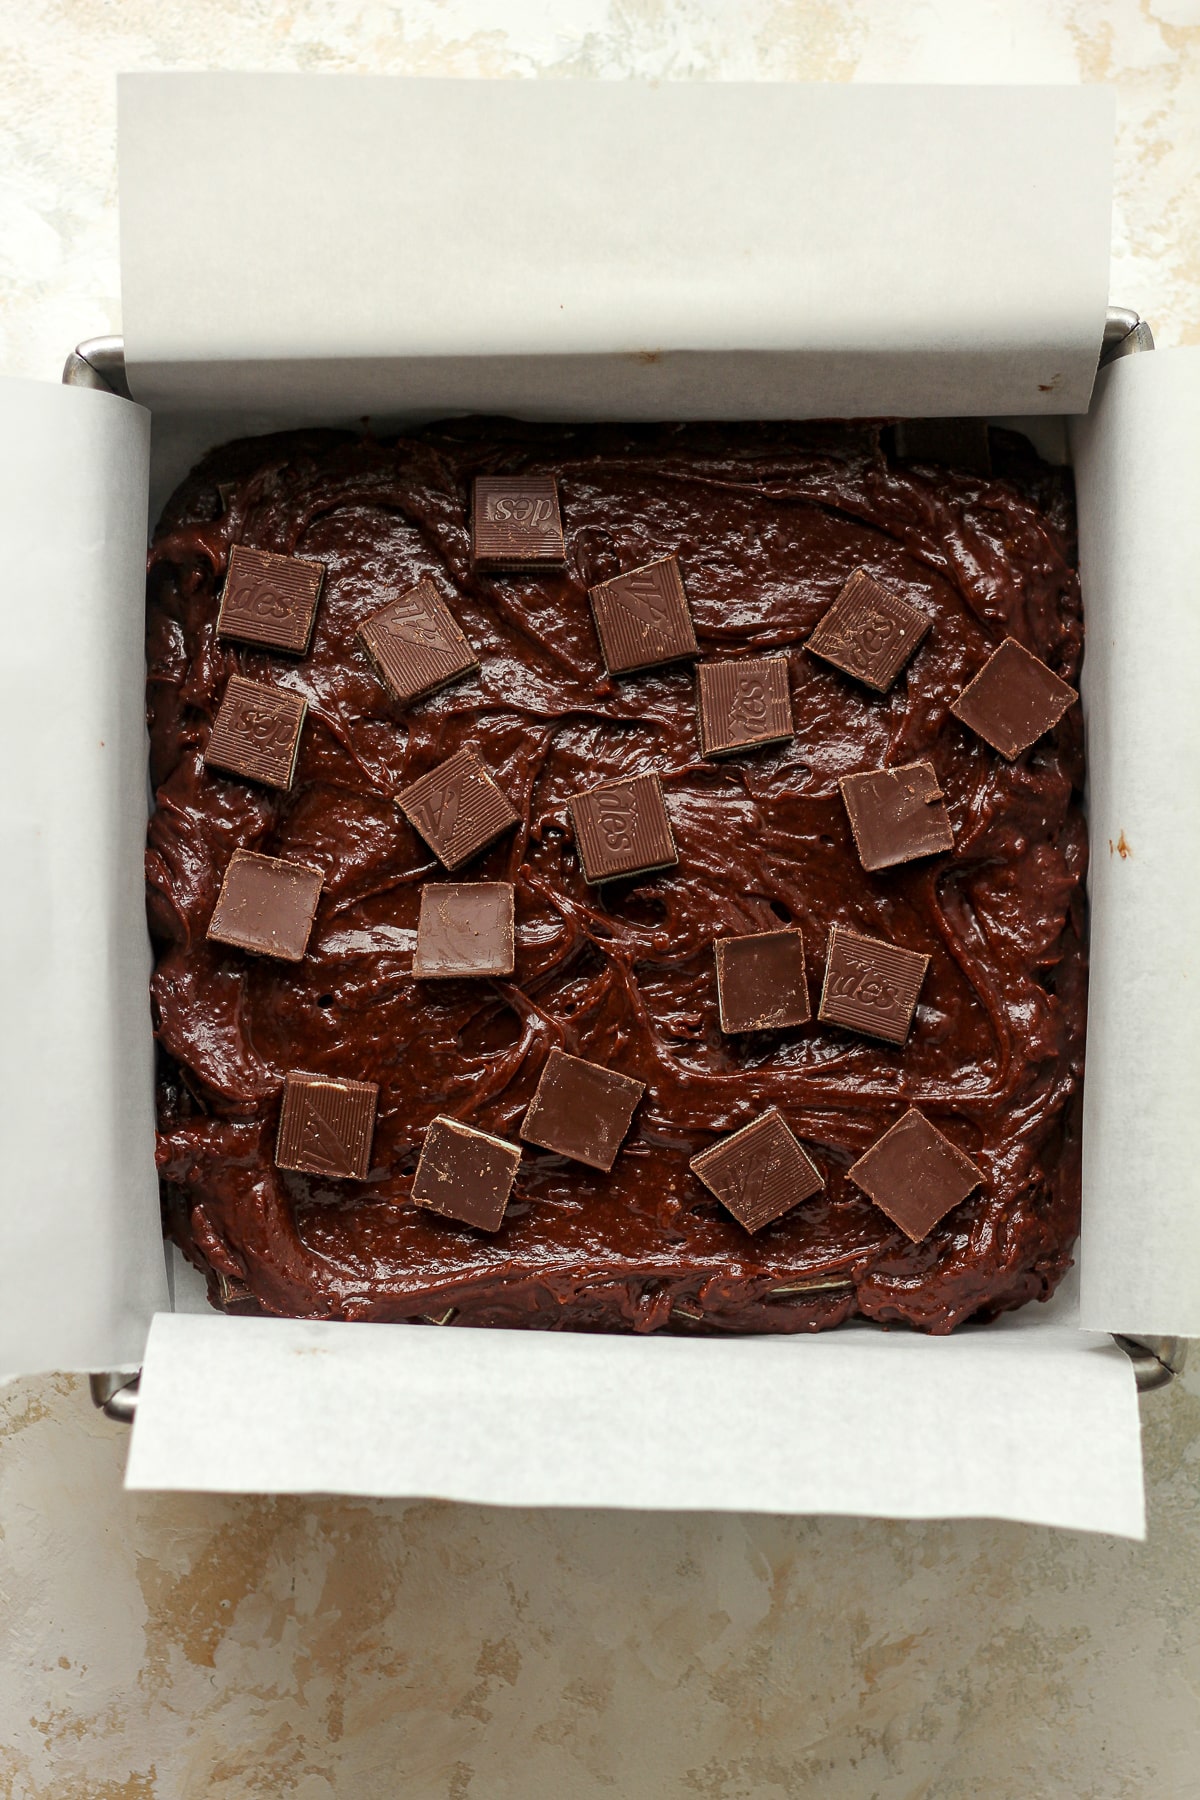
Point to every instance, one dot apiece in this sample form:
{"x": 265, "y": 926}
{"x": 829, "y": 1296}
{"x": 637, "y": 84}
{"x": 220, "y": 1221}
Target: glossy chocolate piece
{"x": 457, "y": 808}
{"x": 516, "y": 523}
{"x": 581, "y": 1110}
{"x": 326, "y": 1125}
{"x": 762, "y": 984}
{"x": 256, "y": 732}
{"x": 1014, "y": 700}
{"x": 869, "y": 632}
{"x": 266, "y": 905}
{"x": 642, "y": 618}
{"x": 416, "y": 644}
{"x": 270, "y": 600}
{"x": 465, "y": 928}
{"x": 622, "y": 828}
{"x": 953, "y": 443}
{"x": 465, "y": 1174}
{"x": 760, "y": 1172}
{"x": 870, "y": 985}
{"x": 623, "y": 975}
{"x": 743, "y": 702}
{"x": 897, "y": 815}
{"x": 915, "y": 1175}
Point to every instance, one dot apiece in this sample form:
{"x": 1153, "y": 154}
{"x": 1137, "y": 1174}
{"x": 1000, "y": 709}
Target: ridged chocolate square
{"x": 457, "y": 808}
{"x": 581, "y": 1110}
{"x": 642, "y": 618}
{"x": 762, "y": 984}
{"x": 266, "y": 905}
{"x": 622, "y": 828}
{"x": 465, "y": 928}
{"x": 915, "y": 1175}
{"x": 326, "y": 1126}
{"x": 1014, "y": 700}
{"x": 897, "y": 815}
{"x": 515, "y": 522}
{"x": 416, "y": 644}
{"x": 465, "y": 1174}
{"x": 256, "y": 732}
{"x": 871, "y": 985}
{"x": 868, "y": 632}
{"x": 760, "y": 1172}
{"x": 270, "y": 600}
{"x": 744, "y": 701}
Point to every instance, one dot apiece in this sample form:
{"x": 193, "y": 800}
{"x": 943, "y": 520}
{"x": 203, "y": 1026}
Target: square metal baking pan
{"x": 100, "y": 363}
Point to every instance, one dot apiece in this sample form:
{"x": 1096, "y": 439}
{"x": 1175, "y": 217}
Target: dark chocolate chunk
{"x": 1013, "y": 700}
{"x": 870, "y": 985}
{"x": 622, "y": 828}
{"x": 642, "y": 618}
{"x": 896, "y": 814}
{"x": 760, "y": 1172}
{"x": 581, "y": 1110}
{"x": 416, "y": 644}
{"x": 326, "y": 1126}
{"x": 868, "y": 632}
{"x": 465, "y": 1174}
{"x": 269, "y": 599}
{"x": 256, "y": 732}
{"x": 955, "y": 443}
{"x": 266, "y": 905}
{"x": 465, "y": 928}
{"x": 915, "y": 1175}
{"x": 515, "y": 522}
{"x": 457, "y": 808}
{"x": 744, "y": 701}
{"x": 761, "y": 981}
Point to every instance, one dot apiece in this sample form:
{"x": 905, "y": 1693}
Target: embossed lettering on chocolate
{"x": 769, "y": 524}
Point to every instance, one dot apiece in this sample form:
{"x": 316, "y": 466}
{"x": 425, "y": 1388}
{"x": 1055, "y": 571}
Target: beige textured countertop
{"x": 232, "y": 1648}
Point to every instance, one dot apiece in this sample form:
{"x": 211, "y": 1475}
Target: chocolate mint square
{"x": 581, "y": 1110}
{"x": 915, "y": 1175}
{"x": 465, "y": 1174}
{"x": 642, "y": 618}
{"x": 266, "y": 905}
{"x": 457, "y": 808}
{"x": 416, "y": 644}
{"x": 870, "y": 985}
{"x": 760, "y": 1172}
{"x": 896, "y": 815}
{"x": 270, "y": 600}
{"x": 465, "y": 928}
{"x": 326, "y": 1126}
{"x": 622, "y": 828}
{"x": 256, "y": 732}
{"x": 761, "y": 981}
{"x": 869, "y": 632}
{"x": 1013, "y": 700}
{"x": 744, "y": 701}
{"x": 515, "y": 522}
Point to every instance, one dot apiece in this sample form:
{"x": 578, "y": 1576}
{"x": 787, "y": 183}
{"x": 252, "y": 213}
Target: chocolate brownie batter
{"x": 768, "y": 523}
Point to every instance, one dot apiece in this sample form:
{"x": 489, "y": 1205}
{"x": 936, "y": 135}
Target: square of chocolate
{"x": 416, "y": 644}
{"x": 915, "y": 1175}
{"x": 465, "y": 1174}
{"x": 744, "y": 701}
{"x": 870, "y": 985}
{"x": 266, "y": 905}
{"x": 761, "y": 981}
{"x": 622, "y": 828}
{"x": 581, "y": 1110}
{"x": 897, "y": 815}
{"x": 465, "y": 928}
{"x": 868, "y": 632}
{"x": 326, "y": 1126}
{"x": 515, "y": 523}
{"x": 642, "y": 618}
{"x": 256, "y": 732}
{"x": 1014, "y": 700}
{"x": 270, "y": 600}
{"x": 760, "y": 1172}
{"x": 457, "y": 808}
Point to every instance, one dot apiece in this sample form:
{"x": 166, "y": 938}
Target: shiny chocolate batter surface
{"x": 768, "y": 522}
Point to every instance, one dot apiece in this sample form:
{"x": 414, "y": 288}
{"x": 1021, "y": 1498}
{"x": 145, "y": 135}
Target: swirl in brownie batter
{"x": 768, "y": 523}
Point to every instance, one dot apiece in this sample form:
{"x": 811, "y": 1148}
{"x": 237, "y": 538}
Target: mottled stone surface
{"x": 182, "y": 1647}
